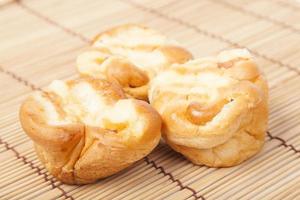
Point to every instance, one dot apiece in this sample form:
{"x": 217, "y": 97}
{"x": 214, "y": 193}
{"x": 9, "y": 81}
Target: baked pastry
{"x": 215, "y": 109}
{"x": 130, "y": 55}
{"x": 85, "y": 129}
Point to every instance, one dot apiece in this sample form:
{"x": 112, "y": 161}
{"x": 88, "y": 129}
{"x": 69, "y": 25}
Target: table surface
{"x": 39, "y": 41}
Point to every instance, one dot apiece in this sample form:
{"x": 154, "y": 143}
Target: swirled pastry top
{"x": 132, "y": 55}
{"x": 86, "y": 101}
{"x": 85, "y": 129}
{"x": 208, "y": 103}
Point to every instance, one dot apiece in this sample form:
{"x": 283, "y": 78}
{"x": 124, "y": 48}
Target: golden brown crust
{"x": 80, "y": 146}
{"x": 131, "y": 55}
{"x": 215, "y": 110}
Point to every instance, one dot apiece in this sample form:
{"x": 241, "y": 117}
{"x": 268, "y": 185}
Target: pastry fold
{"x": 85, "y": 129}
{"x": 131, "y": 55}
{"x": 214, "y": 109}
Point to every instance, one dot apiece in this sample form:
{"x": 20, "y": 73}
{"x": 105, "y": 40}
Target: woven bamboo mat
{"x": 39, "y": 41}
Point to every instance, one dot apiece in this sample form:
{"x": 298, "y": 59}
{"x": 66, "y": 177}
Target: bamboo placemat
{"x": 39, "y": 41}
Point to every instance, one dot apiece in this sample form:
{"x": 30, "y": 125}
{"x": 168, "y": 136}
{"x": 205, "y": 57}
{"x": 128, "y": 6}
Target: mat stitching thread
{"x": 256, "y": 15}
{"x": 19, "y": 79}
{"x": 39, "y": 15}
{"x": 285, "y": 4}
{"x": 283, "y": 142}
{"x": 209, "y": 34}
{"x": 7, "y": 4}
{"x": 171, "y": 177}
{"x": 31, "y": 165}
